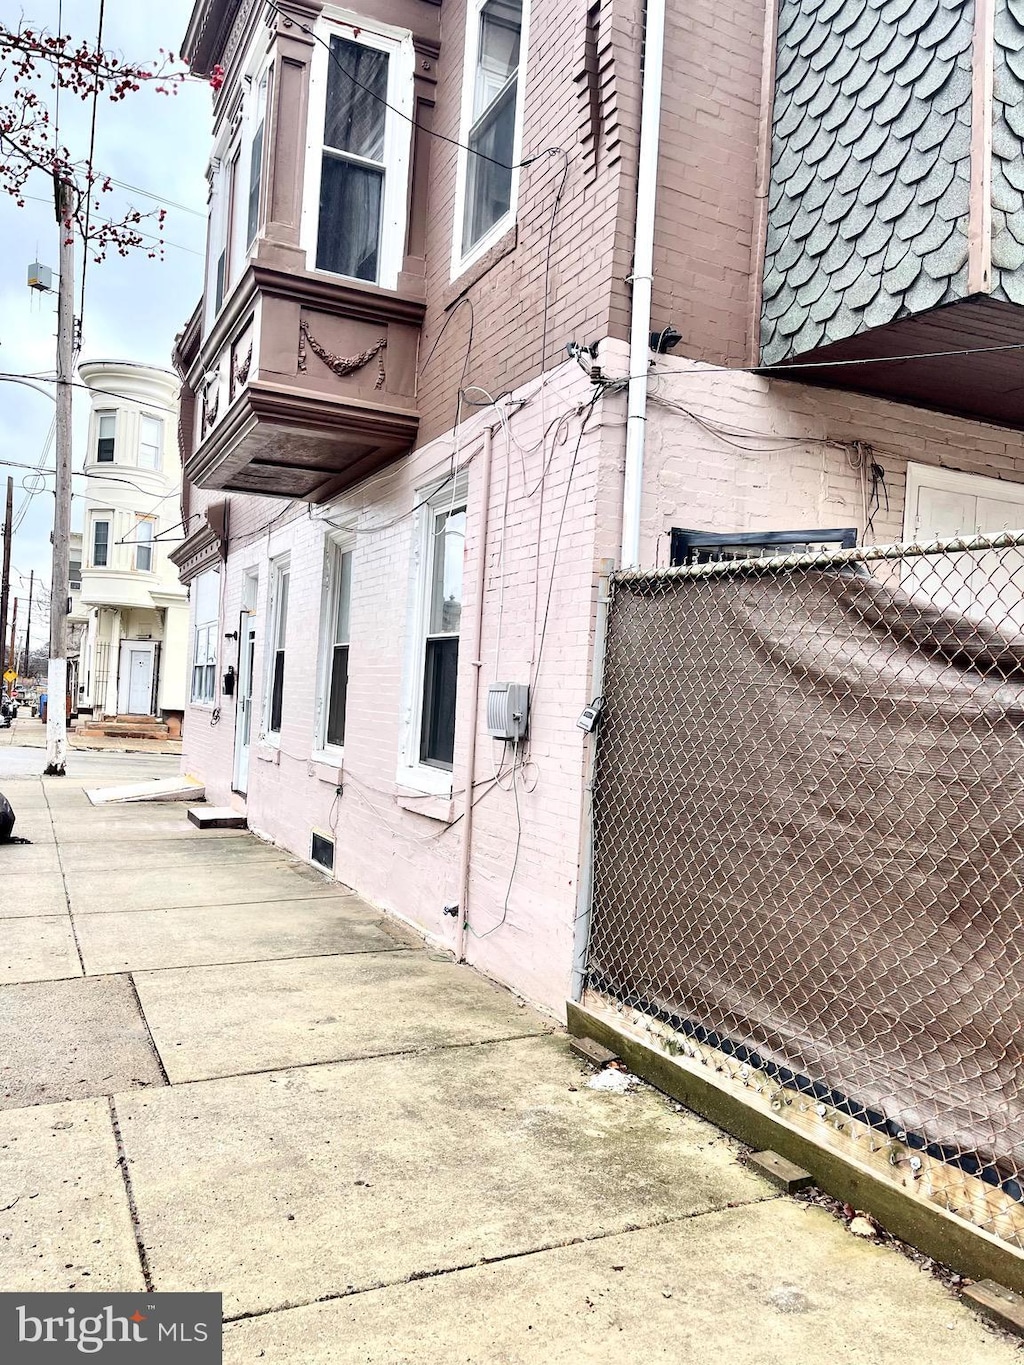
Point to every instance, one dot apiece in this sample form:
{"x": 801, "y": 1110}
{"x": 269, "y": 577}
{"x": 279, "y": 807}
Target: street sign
{"x": 10, "y": 676}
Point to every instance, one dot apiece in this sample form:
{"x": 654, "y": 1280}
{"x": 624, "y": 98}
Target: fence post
{"x": 585, "y": 888}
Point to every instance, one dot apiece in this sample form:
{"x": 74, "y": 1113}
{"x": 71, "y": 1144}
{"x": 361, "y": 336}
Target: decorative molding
{"x": 240, "y": 373}
{"x": 210, "y": 409}
{"x": 342, "y": 366}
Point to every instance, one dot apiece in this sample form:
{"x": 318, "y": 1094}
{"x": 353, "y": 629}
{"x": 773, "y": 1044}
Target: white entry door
{"x": 243, "y": 701}
{"x": 135, "y": 678}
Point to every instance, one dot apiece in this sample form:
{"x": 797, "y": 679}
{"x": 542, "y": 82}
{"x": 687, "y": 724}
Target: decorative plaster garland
{"x": 342, "y": 366}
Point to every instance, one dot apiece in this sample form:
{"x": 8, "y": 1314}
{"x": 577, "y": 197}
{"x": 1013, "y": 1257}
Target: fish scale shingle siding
{"x": 1007, "y": 158}
{"x": 870, "y": 188}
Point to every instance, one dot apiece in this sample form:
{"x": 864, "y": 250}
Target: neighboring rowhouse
{"x": 402, "y": 488}
{"x": 132, "y": 653}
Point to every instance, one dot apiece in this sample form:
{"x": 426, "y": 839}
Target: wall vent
{"x": 322, "y": 851}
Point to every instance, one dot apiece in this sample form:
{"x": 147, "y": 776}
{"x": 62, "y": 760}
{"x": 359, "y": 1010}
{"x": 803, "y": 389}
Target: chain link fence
{"x": 809, "y": 844}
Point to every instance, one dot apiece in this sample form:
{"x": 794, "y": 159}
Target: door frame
{"x": 246, "y": 675}
{"x": 124, "y": 678}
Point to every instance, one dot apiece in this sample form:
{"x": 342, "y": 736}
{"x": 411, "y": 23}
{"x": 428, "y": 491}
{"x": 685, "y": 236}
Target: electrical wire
{"x": 14, "y": 377}
{"x": 409, "y": 118}
{"x": 588, "y": 413}
{"x": 89, "y": 163}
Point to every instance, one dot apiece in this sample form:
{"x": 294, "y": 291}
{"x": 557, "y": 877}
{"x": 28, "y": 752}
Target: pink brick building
{"x": 402, "y": 489}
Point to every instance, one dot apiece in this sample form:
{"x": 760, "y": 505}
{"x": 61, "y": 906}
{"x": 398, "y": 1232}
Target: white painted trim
{"x": 336, "y": 544}
{"x": 953, "y": 481}
{"x": 279, "y": 568}
{"x": 398, "y": 44}
{"x": 411, "y": 773}
{"x": 460, "y": 261}
{"x": 127, "y": 647}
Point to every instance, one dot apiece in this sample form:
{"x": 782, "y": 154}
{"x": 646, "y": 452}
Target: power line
{"x": 409, "y": 118}
{"x": 89, "y": 166}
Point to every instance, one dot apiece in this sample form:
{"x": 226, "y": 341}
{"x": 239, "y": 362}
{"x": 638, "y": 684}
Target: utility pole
{"x": 28, "y": 624}
{"x": 12, "y": 653}
{"x": 57, "y": 670}
{"x": 5, "y": 578}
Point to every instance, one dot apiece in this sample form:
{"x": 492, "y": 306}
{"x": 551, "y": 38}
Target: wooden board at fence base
{"x": 959, "y": 1220}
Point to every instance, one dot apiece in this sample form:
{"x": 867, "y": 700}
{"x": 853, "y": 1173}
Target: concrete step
{"x": 158, "y": 789}
{"x": 217, "y": 817}
{"x": 123, "y": 730}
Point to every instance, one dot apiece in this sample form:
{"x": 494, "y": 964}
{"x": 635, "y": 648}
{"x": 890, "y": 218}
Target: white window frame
{"x": 101, "y": 413}
{"x": 144, "y": 418}
{"x": 397, "y": 43}
{"x": 141, "y": 543}
{"x": 206, "y": 630}
{"x": 461, "y": 261}
{"x": 412, "y": 773}
{"x": 96, "y": 519}
{"x": 280, "y": 570}
{"x": 259, "y": 81}
{"x": 335, "y": 549}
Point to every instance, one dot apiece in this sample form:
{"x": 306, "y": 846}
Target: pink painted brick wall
{"x": 401, "y": 859}
{"x": 789, "y": 475}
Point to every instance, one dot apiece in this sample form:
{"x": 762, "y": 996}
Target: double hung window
{"x": 491, "y": 118}
{"x": 106, "y": 428}
{"x": 277, "y": 637}
{"x": 335, "y": 648}
{"x": 151, "y": 441}
{"x": 441, "y": 637}
{"x": 206, "y": 594}
{"x": 259, "y": 118}
{"x": 101, "y": 542}
{"x": 144, "y": 545}
{"x": 361, "y": 99}
{"x": 353, "y": 169}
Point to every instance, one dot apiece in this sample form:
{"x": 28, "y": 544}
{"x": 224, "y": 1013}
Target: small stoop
{"x": 217, "y": 817}
{"x": 158, "y": 789}
{"x": 124, "y": 727}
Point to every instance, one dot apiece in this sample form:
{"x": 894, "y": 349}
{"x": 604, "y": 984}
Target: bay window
{"x": 259, "y": 118}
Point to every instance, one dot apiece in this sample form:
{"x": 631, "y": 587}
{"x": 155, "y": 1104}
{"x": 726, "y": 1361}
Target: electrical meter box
{"x": 508, "y": 711}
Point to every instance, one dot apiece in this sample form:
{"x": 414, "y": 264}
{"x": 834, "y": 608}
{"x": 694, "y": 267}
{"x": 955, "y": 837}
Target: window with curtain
{"x": 353, "y": 169}
{"x": 492, "y": 133}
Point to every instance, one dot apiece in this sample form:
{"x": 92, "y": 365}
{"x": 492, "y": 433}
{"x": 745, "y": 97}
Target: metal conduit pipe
{"x": 643, "y": 281}
{"x": 472, "y": 724}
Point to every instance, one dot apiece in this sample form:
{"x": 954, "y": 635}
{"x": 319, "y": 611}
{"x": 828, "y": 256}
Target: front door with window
{"x": 135, "y": 678}
{"x": 243, "y": 703}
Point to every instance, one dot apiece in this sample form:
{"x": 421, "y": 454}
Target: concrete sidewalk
{"x": 221, "y": 1071}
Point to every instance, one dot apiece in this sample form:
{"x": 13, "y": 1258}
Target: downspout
{"x": 476, "y": 664}
{"x": 643, "y": 280}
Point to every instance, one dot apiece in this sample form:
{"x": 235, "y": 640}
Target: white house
{"x": 133, "y": 656}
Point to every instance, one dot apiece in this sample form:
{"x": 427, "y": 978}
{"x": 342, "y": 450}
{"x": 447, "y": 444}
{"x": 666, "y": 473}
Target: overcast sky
{"x": 134, "y": 306}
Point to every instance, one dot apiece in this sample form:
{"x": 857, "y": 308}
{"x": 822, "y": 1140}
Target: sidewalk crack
{"x": 63, "y": 878}
{"x": 122, "y": 1161}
